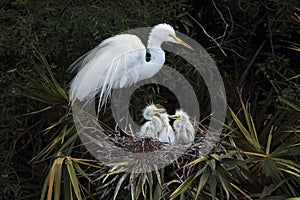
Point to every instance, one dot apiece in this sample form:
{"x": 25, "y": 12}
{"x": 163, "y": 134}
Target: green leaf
{"x": 212, "y": 182}
{"x": 45, "y": 186}
{"x": 73, "y": 178}
{"x": 119, "y": 184}
{"x": 182, "y": 187}
{"x": 194, "y": 162}
{"x": 57, "y": 181}
{"x": 253, "y": 141}
{"x": 51, "y": 180}
{"x": 202, "y": 182}
{"x": 157, "y": 192}
{"x": 297, "y": 108}
{"x": 268, "y": 144}
{"x": 81, "y": 172}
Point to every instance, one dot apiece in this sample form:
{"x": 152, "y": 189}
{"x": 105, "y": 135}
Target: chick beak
{"x": 173, "y": 116}
{"x": 160, "y": 110}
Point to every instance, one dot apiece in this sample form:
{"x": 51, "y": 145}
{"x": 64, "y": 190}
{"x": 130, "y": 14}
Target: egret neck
{"x": 157, "y": 58}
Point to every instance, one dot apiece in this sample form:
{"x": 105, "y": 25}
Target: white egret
{"x": 154, "y": 124}
{"x": 166, "y": 134}
{"x": 184, "y": 130}
{"x": 118, "y": 62}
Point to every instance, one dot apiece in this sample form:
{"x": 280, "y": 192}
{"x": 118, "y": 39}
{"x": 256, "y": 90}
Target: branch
{"x": 208, "y": 35}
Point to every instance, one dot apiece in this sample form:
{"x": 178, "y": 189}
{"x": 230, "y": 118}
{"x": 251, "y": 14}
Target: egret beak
{"x": 174, "y": 116}
{"x": 177, "y": 39}
{"x": 160, "y": 110}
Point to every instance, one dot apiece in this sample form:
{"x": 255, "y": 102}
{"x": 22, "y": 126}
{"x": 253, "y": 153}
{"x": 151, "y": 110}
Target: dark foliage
{"x": 256, "y": 47}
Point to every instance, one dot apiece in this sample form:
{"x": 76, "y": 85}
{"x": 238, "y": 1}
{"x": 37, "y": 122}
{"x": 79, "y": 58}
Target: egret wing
{"x": 167, "y": 135}
{"x": 148, "y": 130}
{"x": 113, "y": 64}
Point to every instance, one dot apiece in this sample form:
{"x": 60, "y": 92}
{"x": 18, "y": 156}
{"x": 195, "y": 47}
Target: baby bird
{"x": 166, "y": 134}
{"x": 154, "y": 124}
{"x": 184, "y": 130}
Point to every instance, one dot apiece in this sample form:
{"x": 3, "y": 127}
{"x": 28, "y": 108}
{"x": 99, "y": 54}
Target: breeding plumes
{"x": 118, "y": 62}
{"x": 184, "y": 130}
{"x": 166, "y": 134}
{"x": 154, "y": 124}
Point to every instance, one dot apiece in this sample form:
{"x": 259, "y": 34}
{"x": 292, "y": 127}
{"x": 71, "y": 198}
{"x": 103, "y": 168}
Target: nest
{"x": 137, "y": 145}
{"x": 143, "y": 154}
{"x": 203, "y": 141}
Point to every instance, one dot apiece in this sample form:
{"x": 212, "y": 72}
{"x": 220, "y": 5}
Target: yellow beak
{"x": 160, "y": 110}
{"x": 174, "y": 116}
{"x": 177, "y": 39}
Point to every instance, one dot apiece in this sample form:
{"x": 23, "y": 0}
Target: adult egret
{"x": 184, "y": 130}
{"x": 154, "y": 124}
{"x": 118, "y": 62}
{"x": 166, "y": 134}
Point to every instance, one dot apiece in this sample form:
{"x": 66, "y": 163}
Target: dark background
{"x": 258, "y": 57}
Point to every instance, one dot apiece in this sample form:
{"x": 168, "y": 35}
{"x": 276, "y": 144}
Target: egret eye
{"x": 148, "y": 55}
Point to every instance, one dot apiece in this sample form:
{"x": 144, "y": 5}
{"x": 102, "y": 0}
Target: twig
{"x": 231, "y": 20}
{"x": 223, "y": 19}
{"x": 241, "y": 27}
{"x": 239, "y": 3}
{"x": 234, "y": 51}
{"x": 270, "y": 35}
{"x": 212, "y": 38}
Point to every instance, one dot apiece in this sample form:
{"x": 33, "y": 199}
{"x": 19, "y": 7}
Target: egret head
{"x": 166, "y": 33}
{"x": 180, "y": 115}
{"x": 164, "y": 117}
{"x": 152, "y": 110}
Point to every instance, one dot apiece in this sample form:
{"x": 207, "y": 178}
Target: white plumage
{"x": 184, "y": 130}
{"x": 118, "y": 62}
{"x": 166, "y": 134}
{"x": 107, "y": 67}
{"x": 154, "y": 124}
